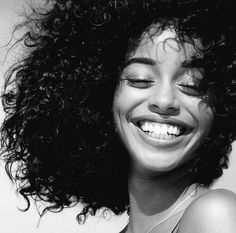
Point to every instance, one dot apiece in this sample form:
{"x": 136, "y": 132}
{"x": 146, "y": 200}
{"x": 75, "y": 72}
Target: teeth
{"x": 162, "y": 131}
{"x": 161, "y": 136}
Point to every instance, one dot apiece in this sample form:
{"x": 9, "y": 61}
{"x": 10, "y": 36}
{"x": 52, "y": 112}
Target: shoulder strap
{"x": 125, "y": 229}
{"x": 175, "y": 228}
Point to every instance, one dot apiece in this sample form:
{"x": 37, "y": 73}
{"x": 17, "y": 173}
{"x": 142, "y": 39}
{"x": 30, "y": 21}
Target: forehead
{"x": 165, "y": 45}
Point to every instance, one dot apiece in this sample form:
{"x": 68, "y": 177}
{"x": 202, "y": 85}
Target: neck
{"x": 152, "y": 197}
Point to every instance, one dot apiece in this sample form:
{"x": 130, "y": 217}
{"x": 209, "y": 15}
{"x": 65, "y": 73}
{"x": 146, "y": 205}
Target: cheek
{"x": 206, "y": 115}
{"x": 119, "y": 90}
{"x": 120, "y": 100}
{"x": 127, "y": 99}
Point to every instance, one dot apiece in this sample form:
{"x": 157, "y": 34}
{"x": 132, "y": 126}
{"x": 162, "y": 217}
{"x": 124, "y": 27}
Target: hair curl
{"x": 59, "y": 127}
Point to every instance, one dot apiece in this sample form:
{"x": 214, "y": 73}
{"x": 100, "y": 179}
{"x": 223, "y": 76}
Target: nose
{"x": 163, "y": 100}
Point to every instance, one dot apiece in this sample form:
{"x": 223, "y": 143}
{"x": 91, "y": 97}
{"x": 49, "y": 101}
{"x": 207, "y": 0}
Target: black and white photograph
{"x": 117, "y": 116}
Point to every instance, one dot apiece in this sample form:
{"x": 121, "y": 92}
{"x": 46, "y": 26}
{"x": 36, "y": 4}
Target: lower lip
{"x": 150, "y": 140}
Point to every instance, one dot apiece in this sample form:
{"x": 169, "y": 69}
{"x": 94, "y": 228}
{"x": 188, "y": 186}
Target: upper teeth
{"x": 158, "y": 128}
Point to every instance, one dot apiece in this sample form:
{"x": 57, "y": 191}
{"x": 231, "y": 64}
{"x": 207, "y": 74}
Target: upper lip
{"x": 170, "y": 121}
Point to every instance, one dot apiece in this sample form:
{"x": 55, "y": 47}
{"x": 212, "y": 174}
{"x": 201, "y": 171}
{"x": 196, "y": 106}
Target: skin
{"x": 164, "y": 95}
{"x": 156, "y": 87}
{"x": 213, "y": 212}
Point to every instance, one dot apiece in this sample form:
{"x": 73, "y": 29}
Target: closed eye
{"x": 138, "y": 83}
{"x": 193, "y": 90}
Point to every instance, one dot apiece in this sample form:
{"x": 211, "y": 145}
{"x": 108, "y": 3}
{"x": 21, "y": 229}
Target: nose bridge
{"x": 163, "y": 94}
{"x": 164, "y": 97}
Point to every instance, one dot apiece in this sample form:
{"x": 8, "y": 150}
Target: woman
{"x": 126, "y": 105}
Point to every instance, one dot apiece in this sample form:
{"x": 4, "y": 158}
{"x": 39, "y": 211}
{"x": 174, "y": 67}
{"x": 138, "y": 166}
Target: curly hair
{"x": 58, "y": 131}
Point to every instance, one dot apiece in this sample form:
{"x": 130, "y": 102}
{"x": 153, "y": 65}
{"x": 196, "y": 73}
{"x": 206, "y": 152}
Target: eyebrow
{"x": 140, "y": 60}
{"x": 152, "y": 62}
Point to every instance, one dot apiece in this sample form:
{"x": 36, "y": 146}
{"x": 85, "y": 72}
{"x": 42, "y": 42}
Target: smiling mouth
{"x": 161, "y": 130}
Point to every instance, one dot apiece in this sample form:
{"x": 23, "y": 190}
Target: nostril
{"x": 153, "y": 106}
{"x": 164, "y": 110}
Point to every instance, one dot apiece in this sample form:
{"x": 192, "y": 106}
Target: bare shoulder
{"x": 212, "y": 212}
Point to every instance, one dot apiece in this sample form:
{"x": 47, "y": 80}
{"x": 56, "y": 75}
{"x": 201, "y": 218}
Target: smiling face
{"x": 158, "y": 113}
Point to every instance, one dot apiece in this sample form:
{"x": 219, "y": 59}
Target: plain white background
{"x": 12, "y": 220}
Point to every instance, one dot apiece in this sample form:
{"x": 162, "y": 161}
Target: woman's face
{"x": 157, "y": 109}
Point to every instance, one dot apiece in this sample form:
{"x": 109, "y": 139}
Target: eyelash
{"x": 138, "y": 82}
{"x": 194, "y": 87}
{"x": 143, "y": 83}
{"x": 190, "y": 89}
